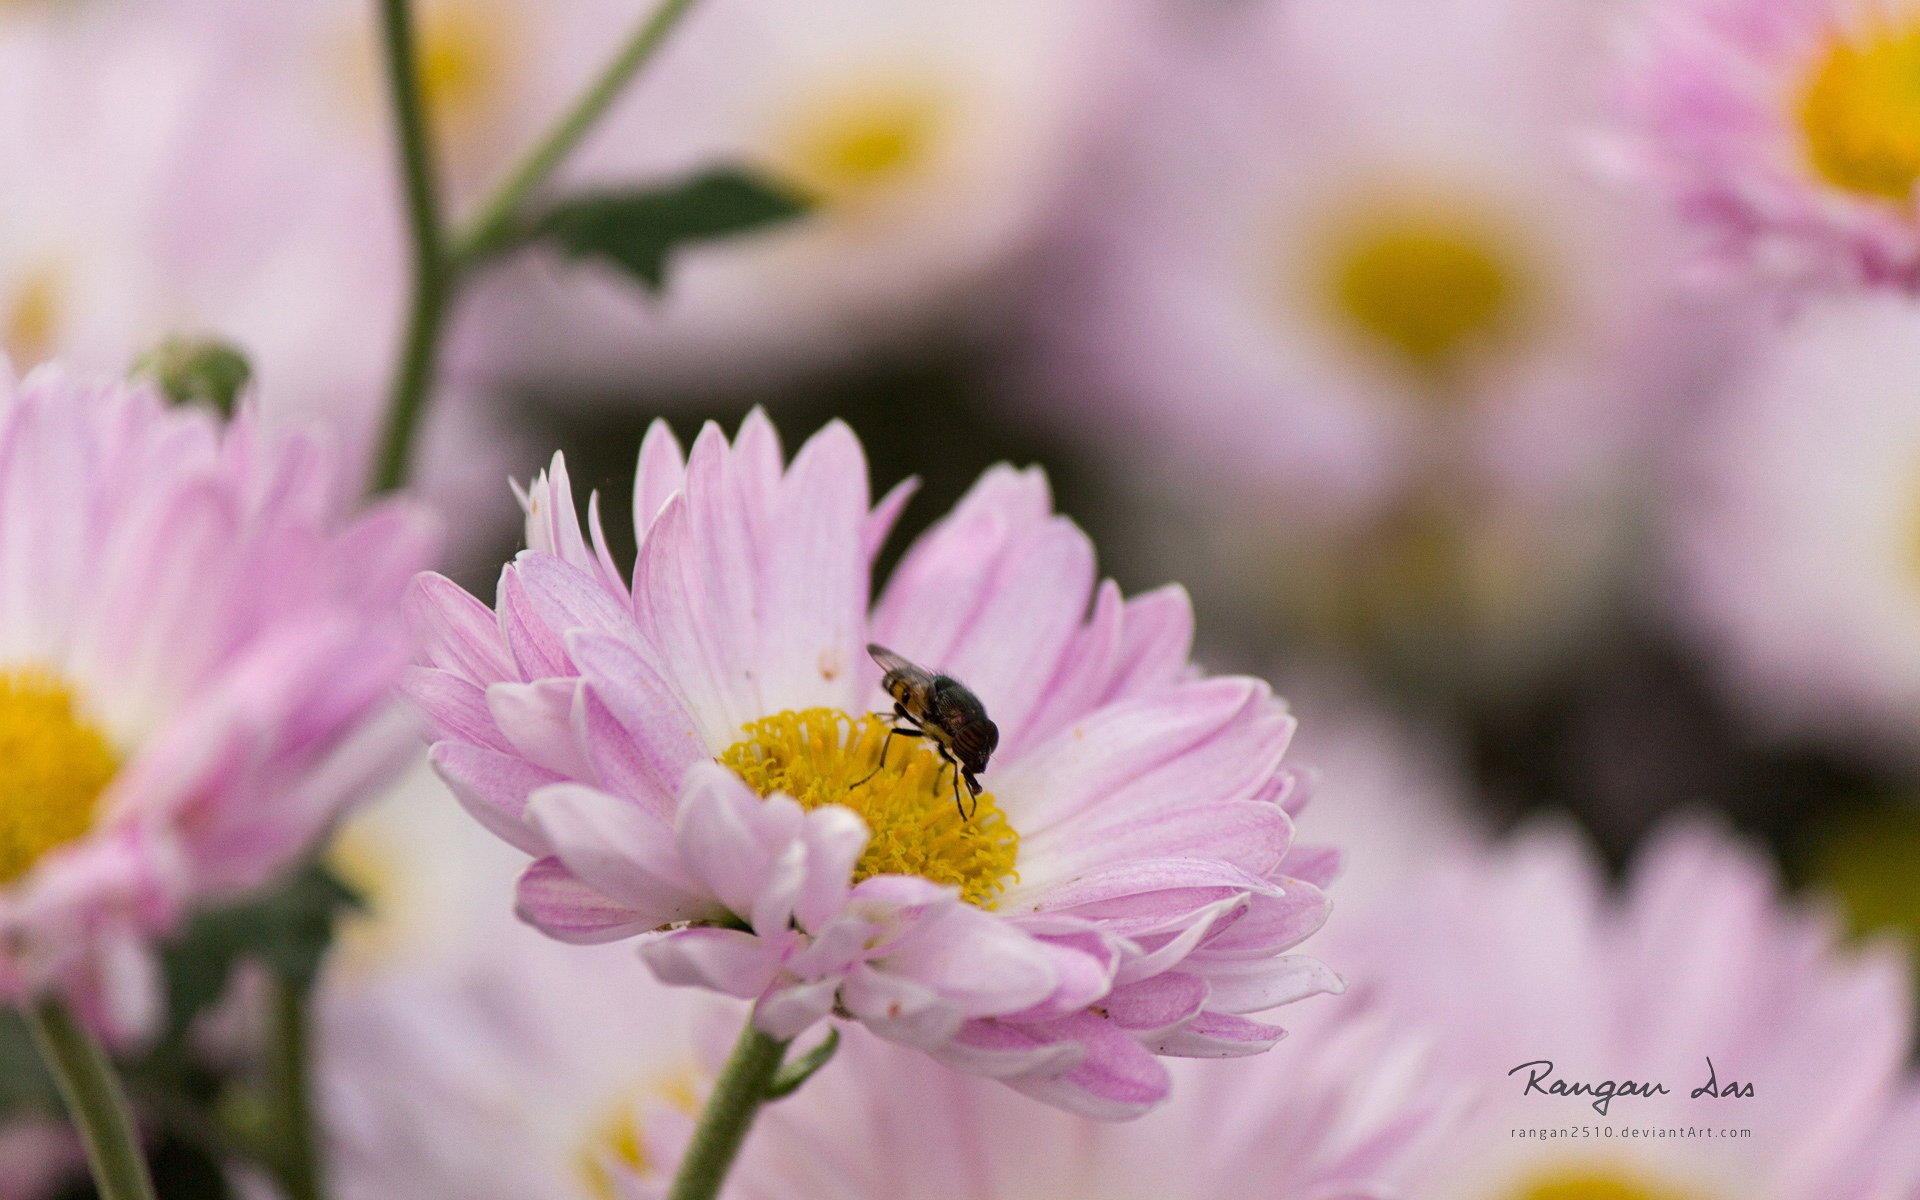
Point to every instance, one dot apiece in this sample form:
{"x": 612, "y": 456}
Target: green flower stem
{"x": 94, "y": 1098}
{"x": 433, "y": 282}
{"x": 497, "y": 225}
{"x": 439, "y": 267}
{"x": 743, "y": 1087}
{"x": 300, "y": 1167}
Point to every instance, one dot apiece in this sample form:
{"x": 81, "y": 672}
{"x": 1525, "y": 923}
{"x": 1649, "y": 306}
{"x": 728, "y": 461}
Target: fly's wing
{"x": 892, "y": 663}
{"x": 905, "y": 682}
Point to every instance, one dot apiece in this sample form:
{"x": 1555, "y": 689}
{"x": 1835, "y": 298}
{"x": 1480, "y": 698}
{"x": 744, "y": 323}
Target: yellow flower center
{"x": 615, "y": 1145}
{"x": 1860, "y": 112}
{"x": 1425, "y": 281}
{"x": 31, "y": 324}
{"x": 54, "y": 766}
{"x": 821, "y": 756}
{"x": 1603, "y": 1183}
{"x": 855, "y": 140}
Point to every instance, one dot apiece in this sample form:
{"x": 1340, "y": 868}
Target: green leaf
{"x": 286, "y": 929}
{"x": 638, "y": 231}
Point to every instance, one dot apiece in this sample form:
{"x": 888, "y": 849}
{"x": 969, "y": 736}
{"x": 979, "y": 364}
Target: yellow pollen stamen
{"x": 1860, "y": 112}
{"x": 853, "y": 141}
{"x": 817, "y": 756}
{"x": 1602, "y": 1183}
{"x": 54, "y": 765}
{"x": 1427, "y": 282}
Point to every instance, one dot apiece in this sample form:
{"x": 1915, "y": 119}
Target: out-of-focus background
{"x": 1360, "y": 318}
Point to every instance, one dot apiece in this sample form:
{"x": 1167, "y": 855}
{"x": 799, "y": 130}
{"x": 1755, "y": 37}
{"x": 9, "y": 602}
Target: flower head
{"x": 689, "y": 755}
{"x": 196, "y": 660}
{"x": 1697, "y": 958}
{"x": 1785, "y": 133}
{"x": 1796, "y": 533}
{"x": 1342, "y": 275}
{"x": 532, "y": 1071}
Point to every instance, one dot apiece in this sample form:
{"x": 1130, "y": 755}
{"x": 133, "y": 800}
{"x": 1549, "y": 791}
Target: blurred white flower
{"x": 1342, "y": 245}
{"x": 1346, "y": 289}
{"x": 1796, "y": 531}
{"x": 541, "y": 1072}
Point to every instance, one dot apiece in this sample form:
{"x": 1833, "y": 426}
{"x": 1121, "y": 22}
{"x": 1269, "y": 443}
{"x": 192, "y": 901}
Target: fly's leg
{"x": 958, "y": 806}
{"x": 886, "y": 744}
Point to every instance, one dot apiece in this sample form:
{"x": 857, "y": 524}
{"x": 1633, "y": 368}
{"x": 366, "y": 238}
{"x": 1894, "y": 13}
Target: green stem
{"x": 289, "y": 1078}
{"x": 438, "y": 268}
{"x": 737, "y": 1098}
{"x": 496, "y": 226}
{"x": 98, "y": 1106}
{"x": 433, "y": 281}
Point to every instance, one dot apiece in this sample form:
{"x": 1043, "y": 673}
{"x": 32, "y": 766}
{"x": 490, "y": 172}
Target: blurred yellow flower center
{"x": 855, "y": 140}
{"x": 615, "y": 1146}
{"x": 1860, "y": 112}
{"x": 1596, "y": 1184}
{"x": 366, "y": 863}
{"x": 464, "y": 53}
{"x": 31, "y": 323}
{"x": 463, "y": 56}
{"x": 54, "y": 765}
{"x": 1426, "y": 282}
{"x": 821, "y": 755}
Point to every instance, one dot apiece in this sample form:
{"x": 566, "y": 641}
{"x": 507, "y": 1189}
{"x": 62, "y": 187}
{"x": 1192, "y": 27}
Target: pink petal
{"x": 730, "y": 961}
{"x": 551, "y": 899}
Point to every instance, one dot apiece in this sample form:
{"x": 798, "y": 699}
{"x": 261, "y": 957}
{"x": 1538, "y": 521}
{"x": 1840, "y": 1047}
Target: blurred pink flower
{"x": 1343, "y": 247}
{"x": 688, "y": 757}
{"x": 1796, "y": 528}
{"x": 1519, "y": 954}
{"x": 532, "y": 1071}
{"x": 1349, "y": 1110}
{"x": 199, "y": 664}
{"x": 39, "y": 1159}
{"x": 933, "y": 136}
{"x": 1342, "y": 294}
{"x": 1783, "y": 131}
{"x": 173, "y": 193}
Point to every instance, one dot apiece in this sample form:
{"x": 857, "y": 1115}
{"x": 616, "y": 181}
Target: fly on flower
{"x": 944, "y": 711}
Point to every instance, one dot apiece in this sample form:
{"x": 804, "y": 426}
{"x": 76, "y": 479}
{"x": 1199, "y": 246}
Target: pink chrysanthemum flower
{"x": 691, "y": 756}
{"x": 1786, "y": 131}
{"x": 1698, "y": 957}
{"x": 1352, "y": 1110}
{"x": 196, "y": 665}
